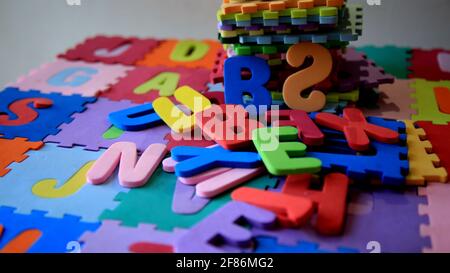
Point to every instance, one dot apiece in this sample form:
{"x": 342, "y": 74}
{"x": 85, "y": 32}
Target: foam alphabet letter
{"x": 330, "y": 203}
{"x": 22, "y": 242}
{"x": 308, "y": 131}
{"x": 195, "y": 160}
{"x": 284, "y": 154}
{"x": 215, "y": 181}
{"x": 442, "y": 95}
{"x": 23, "y": 111}
{"x": 236, "y": 87}
{"x": 228, "y": 125}
{"x": 356, "y": 128}
{"x": 165, "y": 82}
{"x": 73, "y": 77}
{"x": 291, "y": 211}
{"x": 136, "y": 118}
{"x": 178, "y": 121}
{"x": 223, "y": 226}
{"x": 47, "y": 188}
{"x": 113, "y": 51}
{"x": 300, "y": 81}
{"x": 131, "y": 174}
{"x": 189, "y": 51}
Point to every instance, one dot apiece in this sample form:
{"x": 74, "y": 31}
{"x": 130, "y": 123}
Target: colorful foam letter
{"x": 228, "y": 125}
{"x": 174, "y": 117}
{"x": 131, "y": 174}
{"x": 442, "y": 95}
{"x": 165, "y": 82}
{"x": 330, "y": 203}
{"x": 281, "y": 157}
{"x": 189, "y": 51}
{"x": 47, "y": 188}
{"x": 223, "y": 227}
{"x": 24, "y": 113}
{"x": 291, "y": 210}
{"x": 356, "y": 128}
{"x": 215, "y": 181}
{"x": 22, "y": 242}
{"x": 195, "y": 160}
{"x": 236, "y": 87}
{"x": 73, "y": 77}
{"x": 297, "y": 83}
{"x": 308, "y": 132}
{"x": 136, "y": 118}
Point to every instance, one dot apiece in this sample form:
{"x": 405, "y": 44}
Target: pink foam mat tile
{"x": 69, "y": 78}
{"x": 438, "y": 213}
{"x": 395, "y": 101}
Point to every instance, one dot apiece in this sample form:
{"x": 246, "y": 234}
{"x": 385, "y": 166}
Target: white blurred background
{"x": 33, "y": 32}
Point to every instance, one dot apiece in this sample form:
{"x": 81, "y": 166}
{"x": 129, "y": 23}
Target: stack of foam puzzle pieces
{"x": 267, "y": 29}
{"x": 117, "y": 145}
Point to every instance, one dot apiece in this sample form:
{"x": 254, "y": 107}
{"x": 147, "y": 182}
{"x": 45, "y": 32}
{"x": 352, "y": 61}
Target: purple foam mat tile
{"x": 393, "y": 223}
{"x": 111, "y": 237}
{"x": 185, "y": 201}
{"x": 359, "y": 72}
{"x": 352, "y": 55}
{"x": 375, "y": 76}
{"x": 224, "y": 224}
{"x": 88, "y": 129}
{"x": 351, "y": 74}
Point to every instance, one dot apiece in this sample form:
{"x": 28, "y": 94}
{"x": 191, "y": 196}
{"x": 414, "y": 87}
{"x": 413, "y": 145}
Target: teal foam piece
{"x": 52, "y": 162}
{"x": 152, "y": 203}
{"x": 394, "y": 60}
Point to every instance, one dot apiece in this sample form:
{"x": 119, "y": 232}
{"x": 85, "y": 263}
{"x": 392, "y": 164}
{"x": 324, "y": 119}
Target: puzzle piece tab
{"x": 437, "y": 212}
{"x": 424, "y": 164}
